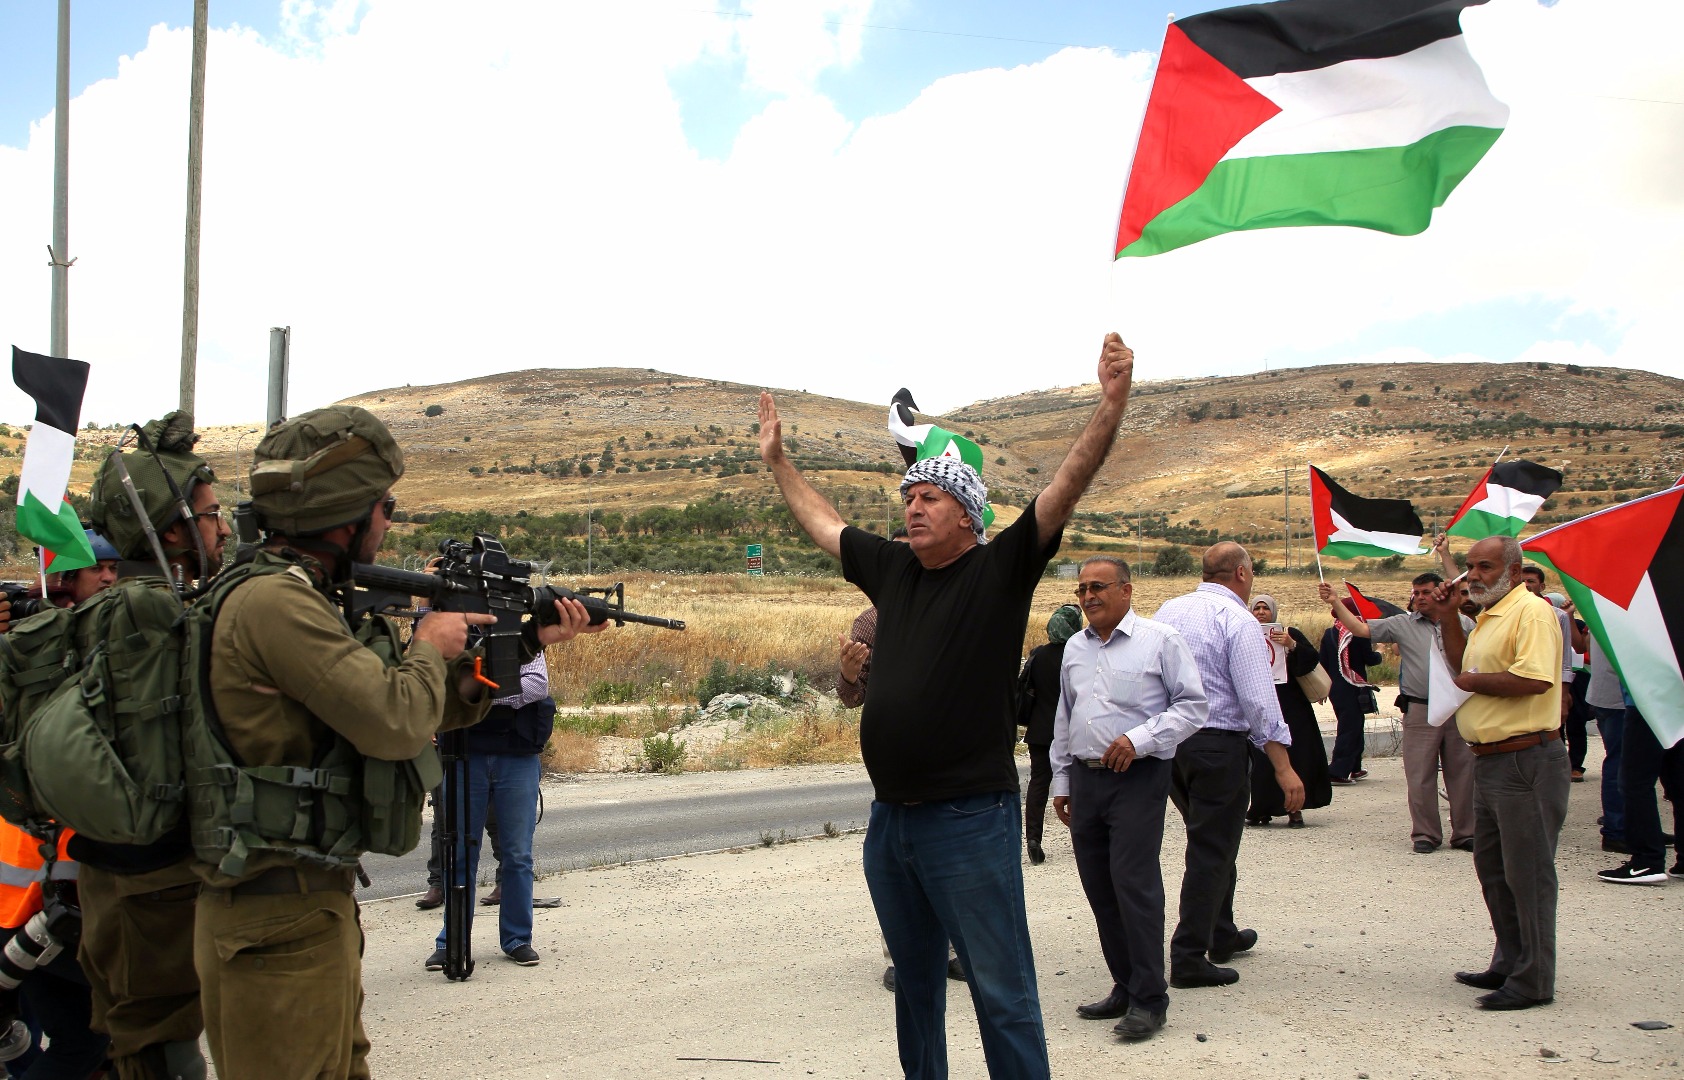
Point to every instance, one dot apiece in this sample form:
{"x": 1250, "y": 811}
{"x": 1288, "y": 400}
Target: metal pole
{"x": 587, "y": 541}
{"x": 195, "y": 156}
{"x": 237, "y": 443}
{"x": 280, "y": 357}
{"x": 59, "y": 252}
{"x": 1286, "y": 486}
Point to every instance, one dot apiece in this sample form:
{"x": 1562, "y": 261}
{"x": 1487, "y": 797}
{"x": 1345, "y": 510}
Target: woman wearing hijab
{"x": 1037, "y": 704}
{"x": 1292, "y": 655}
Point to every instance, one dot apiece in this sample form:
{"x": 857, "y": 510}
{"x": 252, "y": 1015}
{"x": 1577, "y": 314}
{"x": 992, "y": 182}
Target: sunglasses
{"x": 387, "y": 505}
{"x": 1096, "y": 587}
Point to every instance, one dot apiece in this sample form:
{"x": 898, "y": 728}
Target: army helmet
{"x": 164, "y": 470}
{"x": 323, "y": 469}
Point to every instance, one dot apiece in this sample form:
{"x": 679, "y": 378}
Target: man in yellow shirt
{"x": 1511, "y": 664}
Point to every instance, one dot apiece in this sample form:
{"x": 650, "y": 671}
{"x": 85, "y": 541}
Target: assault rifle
{"x": 479, "y": 576}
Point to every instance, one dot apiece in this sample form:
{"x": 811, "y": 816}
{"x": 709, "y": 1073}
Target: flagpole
{"x": 1500, "y": 456}
{"x": 41, "y": 565}
{"x": 1318, "y": 568}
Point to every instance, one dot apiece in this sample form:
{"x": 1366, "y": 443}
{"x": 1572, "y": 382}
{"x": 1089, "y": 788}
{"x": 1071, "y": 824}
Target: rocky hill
{"x": 1197, "y": 457}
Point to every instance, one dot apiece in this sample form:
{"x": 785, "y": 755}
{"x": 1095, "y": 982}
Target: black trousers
{"x": 1117, "y": 832}
{"x": 1578, "y": 716}
{"x": 1035, "y": 799}
{"x": 1349, "y": 741}
{"x": 1643, "y": 760}
{"x": 55, "y": 1002}
{"x": 1211, "y": 787}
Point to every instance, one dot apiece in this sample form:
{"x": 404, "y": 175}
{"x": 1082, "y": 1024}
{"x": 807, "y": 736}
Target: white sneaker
{"x": 1632, "y": 874}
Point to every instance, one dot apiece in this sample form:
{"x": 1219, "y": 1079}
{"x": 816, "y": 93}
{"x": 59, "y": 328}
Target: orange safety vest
{"x": 22, "y": 869}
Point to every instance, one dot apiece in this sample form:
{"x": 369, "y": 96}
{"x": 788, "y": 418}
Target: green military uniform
{"x": 138, "y": 902}
{"x": 278, "y": 946}
{"x": 137, "y": 952}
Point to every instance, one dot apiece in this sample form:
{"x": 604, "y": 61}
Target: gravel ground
{"x": 772, "y": 954}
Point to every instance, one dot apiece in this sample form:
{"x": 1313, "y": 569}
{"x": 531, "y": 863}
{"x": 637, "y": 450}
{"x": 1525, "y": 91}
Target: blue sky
{"x": 811, "y": 194}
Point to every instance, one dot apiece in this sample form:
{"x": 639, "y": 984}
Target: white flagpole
{"x": 1500, "y": 457}
{"x": 41, "y": 568}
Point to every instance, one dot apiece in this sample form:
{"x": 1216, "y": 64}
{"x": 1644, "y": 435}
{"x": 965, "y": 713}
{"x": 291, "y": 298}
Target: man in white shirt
{"x": 1129, "y": 693}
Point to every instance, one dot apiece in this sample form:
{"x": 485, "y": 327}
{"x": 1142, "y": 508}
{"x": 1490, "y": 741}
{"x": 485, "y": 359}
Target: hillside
{"x": 1197, "y": 457}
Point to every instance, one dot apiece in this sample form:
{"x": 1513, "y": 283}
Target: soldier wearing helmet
{"x": 314, "y": 746}
{"x": 137, "y": 901}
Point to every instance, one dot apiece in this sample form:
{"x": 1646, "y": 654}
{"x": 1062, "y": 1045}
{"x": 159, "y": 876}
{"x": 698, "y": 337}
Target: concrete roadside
{"x": 765, "y": 963}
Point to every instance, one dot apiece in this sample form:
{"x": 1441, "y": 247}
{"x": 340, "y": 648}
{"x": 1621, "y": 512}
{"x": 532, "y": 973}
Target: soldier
{"x": 137, "y": 902}
{"x": 312, "y": 744}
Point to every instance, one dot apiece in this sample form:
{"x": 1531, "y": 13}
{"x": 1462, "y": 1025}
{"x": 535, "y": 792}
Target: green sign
{"x": 755, "y": 566}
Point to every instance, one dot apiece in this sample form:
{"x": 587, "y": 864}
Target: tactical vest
{"x": 325, "y": 813}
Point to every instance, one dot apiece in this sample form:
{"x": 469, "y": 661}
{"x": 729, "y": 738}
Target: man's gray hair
{"x": 1511, "y": 550}
{"x": 1112, "y": 561}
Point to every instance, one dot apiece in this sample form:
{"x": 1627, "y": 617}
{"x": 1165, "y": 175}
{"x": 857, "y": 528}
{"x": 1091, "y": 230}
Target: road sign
{"x": 756, "y": 567}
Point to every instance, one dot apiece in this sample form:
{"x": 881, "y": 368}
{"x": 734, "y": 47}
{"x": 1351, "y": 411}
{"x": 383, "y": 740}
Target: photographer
{"x": 40, "y": 926}
{"x": 503, "y": 777}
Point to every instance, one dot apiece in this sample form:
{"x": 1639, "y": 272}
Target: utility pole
{"x": 1286, "y": 488}
{"x": 280, "y": 357}
{"x": 195, "y": 158}
{"x": 58, "y": 252}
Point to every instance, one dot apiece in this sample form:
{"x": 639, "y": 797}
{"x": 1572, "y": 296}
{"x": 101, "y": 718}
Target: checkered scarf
{"x": 958, "y": 480}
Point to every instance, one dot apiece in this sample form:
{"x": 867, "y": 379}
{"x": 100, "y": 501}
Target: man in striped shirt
{"x": 1211, "y": 785}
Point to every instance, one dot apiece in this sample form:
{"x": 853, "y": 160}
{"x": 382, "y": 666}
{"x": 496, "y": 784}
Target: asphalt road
{"x": 589, "y": 824}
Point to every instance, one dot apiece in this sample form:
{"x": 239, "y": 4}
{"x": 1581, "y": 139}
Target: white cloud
{"x": 425, "y": 197}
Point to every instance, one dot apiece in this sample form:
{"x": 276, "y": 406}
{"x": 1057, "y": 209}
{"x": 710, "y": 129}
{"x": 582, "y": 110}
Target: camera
{"x": 56, "y": 928}
{"x": 23, "y": 605}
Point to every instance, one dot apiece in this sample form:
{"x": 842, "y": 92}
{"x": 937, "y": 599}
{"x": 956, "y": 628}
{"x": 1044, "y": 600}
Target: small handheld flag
{"x": 44, "y": 518}
{"x": 1306, "y": 112}
{"x": 1504, "y": 500}
{"x": 1371, "y": 608}
{"x": 1350, "y": 526}
{"x": 920, "y": 441}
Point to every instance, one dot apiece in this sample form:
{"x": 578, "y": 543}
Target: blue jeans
{"x": 508, "y": 782}
{"x": 1611, "y": 725}
{"x": 952, "y": 871}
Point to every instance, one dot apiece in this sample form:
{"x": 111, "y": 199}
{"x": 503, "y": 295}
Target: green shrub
{"x": 603, "y": 692}
{"x": 662, "y": 753}
{"x": 723, "y": 678}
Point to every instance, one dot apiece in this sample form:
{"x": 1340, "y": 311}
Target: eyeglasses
{"x": 387, "y": 505}
{"x": 1097, "y": 587}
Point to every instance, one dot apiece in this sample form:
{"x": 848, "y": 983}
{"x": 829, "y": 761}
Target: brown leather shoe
{"x": 432, "y": 898}
{"x": 492, "y": 898}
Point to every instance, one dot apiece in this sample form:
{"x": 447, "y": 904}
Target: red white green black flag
{"x": 1624, "y": 569}
{"x": 1504, "y": 500}
{"x": 44, "y": 518}
{"x": 1306, "y": 112}
{"x": 1349, "y": 526}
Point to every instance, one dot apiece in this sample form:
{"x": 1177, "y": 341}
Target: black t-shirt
{"x": 938, "y": 720}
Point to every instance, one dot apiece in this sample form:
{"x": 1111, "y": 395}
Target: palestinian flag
{"x": 1504, "y": 500}
{"x": 920, "y": 441}
{"x": 44, "y": 518}
{"x": 1368, "y": 608}
{"x": 1306, "y": 112}
{"x": 1350, "y": 526}
{"x": 1624, "y": 569}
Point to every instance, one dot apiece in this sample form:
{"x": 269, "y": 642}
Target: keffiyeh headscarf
{"x": 958, "y": 480}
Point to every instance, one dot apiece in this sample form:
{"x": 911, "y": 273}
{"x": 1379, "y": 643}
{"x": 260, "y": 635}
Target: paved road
{"x": 595, "y": 824}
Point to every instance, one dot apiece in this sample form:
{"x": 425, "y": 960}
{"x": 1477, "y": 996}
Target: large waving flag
{"x": 44, "y": 518}
{"x": 1350, "y": 526}
{"x": 1504, "y": 500}
{"x": 1624, "y": 569}
{"x": 1306, "y": 112}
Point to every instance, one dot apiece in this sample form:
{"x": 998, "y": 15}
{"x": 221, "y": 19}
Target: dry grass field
{"x": 789, "y": 625}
